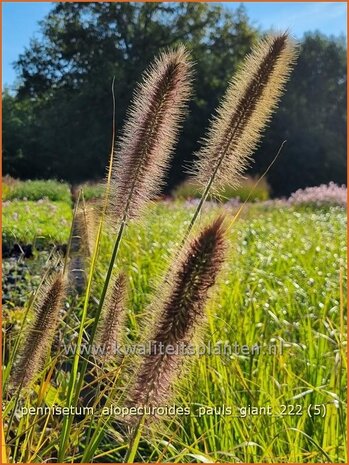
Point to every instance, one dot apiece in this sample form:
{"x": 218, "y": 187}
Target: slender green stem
{"x": 13, "y": 353}
{"x": 13, "y": 411}
{"x": 210, "y": 181}
{"x": 66, "y": 258}
{"x": 71, "y": 397}
{"x": 106, "y": 281}
{"x": 133, "y": 447}
{"x": 199, "y": 207}
{"x": 99, "y": 428}
{"x": 209, "y": 185}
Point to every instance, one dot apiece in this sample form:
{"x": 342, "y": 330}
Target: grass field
{"x": 38, "y": 223}
{"x": 283, "y": 289}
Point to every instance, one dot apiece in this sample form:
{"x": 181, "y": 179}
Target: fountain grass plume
{"x": 110, "y": 331}
{"x": 247, "y": 106}
{"x": 39, "y": 336}
{"x": 147, "y": 140}
{"x": 179, "y": 313}
{"x": 86, "y": 228}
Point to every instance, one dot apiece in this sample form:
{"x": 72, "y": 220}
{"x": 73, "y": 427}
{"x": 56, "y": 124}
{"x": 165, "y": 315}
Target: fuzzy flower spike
{"x": 250, "y": 100}
{"x": 39, "y": 337}
{"x": 146, "y": 145}
{"x": 180, "y": 313}
{"x": 111, "y": 328}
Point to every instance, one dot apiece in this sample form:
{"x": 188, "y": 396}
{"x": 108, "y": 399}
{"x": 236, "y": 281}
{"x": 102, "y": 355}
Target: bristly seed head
{"x": 143, "y": 155}
{"x": 39, "y": 337}
{"x": 111, "y": 328}
{"x": 181, "y": 313}
{"x": 84, "y": 231}
{"x": 250, "y": 100}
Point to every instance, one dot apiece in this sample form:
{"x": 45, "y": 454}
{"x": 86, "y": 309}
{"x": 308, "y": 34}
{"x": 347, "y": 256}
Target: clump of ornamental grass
{"x": 147, "y": 141}
{"x": 39, "y": 336}
{"x": 247, "y": 106}
{"x": 111, "y": 328}
{"x": 179, "y": 314}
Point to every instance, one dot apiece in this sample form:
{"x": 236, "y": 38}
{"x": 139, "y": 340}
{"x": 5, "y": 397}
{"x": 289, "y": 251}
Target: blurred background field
{"x": 284, "y": 284}
{"x": 39, "y": 213}
{"x": 251, "y": 189}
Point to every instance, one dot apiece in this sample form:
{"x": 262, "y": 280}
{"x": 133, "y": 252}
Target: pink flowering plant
{"x": 323, "y": 195}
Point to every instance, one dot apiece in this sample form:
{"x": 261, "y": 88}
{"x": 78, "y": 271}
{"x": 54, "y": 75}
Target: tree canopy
{"x": 312, "y": 118}
{"x": 58, "y": 123}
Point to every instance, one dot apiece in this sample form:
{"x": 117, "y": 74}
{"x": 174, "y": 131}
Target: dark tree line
{"x": 58, "y": 123}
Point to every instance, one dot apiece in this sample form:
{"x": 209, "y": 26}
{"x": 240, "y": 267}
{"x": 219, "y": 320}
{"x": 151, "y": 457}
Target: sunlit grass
{"x": 283, "y": 287}
{"x": 37, "y": 223}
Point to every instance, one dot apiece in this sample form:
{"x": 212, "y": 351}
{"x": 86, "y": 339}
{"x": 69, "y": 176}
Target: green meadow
{"x": 277, "y": 395}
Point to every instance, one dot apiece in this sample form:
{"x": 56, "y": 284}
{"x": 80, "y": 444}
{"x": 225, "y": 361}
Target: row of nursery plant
{"x": 250, "y": 189}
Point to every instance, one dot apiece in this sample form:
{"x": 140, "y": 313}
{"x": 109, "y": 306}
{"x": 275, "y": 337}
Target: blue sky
{"x": 20, "y": 22}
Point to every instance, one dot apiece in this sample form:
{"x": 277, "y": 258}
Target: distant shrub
{"x": 7, "y": 185}
{"x": 93, "y": 190}
{"x": 191, "y": 190}
{"x": 35, "y": 190}
{"x": 5, "y": 191}
{"x": 324, "y": 195}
